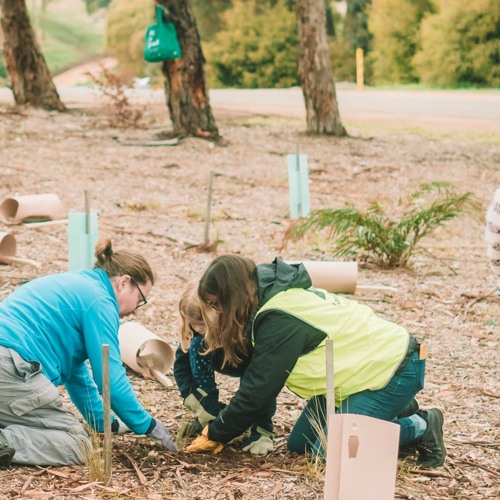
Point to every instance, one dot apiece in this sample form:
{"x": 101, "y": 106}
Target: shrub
{"x": 394, "y": 25}
{"x": 258, "y": 48}
{"x": 461, "y": 44}
{"x": 387, "y": 241}
{"x": 113, "y": 90}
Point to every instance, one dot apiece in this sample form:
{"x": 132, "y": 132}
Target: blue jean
{"x": 386, "y": 404}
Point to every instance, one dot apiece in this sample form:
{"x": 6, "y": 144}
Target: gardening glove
{"x": 160, "y": 435}
{"x": 192, "y": 402}
{"x": 202, "y": 443}
{"x": 188, "y": 430}
{"x": 260, "y": 441}
{"x": 118, "y": 427}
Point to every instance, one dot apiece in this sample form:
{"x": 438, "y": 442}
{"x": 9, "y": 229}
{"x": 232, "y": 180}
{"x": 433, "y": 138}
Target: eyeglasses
{"x": 143, "y": 301}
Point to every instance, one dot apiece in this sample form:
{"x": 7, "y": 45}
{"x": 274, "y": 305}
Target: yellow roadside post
{"x": 359, "y": 69}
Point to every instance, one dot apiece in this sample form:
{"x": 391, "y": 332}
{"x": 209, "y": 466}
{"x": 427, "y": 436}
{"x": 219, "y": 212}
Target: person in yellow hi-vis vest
{"x": 272, "y": 313}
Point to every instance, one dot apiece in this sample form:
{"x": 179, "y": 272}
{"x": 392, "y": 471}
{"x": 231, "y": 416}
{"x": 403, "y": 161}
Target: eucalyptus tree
{"x": 315, "y": 71}
{"x": 186, "y": 90}
{"x": 28, "y": 75}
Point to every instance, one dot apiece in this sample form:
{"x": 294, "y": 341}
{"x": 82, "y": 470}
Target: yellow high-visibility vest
{"x": 367, "y": 349}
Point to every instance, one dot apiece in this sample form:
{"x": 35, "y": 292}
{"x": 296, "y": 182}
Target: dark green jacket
{"x": 279, "y": 340}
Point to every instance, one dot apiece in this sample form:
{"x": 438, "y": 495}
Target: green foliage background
{"x": 258, "y": 48}
{"x": 125, "y": 32}
{"x": 253, "y": 43}
{"x": 395, "y": 25}
{"x": 460, "y": 44}
{"x": 71, "y": 37}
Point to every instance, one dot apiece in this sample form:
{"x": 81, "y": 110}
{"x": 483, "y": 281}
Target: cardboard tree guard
{"x": 362, "y": 455}
{"x": 8, "y": 247}
{"x": 31, "y": 208}
{"x": 144, "y": 352}
{"x": 333, "y": 276}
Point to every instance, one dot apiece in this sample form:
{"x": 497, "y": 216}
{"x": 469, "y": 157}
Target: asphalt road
{"x": 464, "y": 109}
{"x": 475, "y": 108}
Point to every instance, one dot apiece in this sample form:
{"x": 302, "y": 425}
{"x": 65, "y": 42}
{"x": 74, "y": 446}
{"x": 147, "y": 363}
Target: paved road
{"x": 471, "y": 107}
{"x": 467, "y": 110}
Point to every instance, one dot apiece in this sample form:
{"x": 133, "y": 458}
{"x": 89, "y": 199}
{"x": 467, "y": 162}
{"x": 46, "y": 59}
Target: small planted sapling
{"x": 386, "y": 240}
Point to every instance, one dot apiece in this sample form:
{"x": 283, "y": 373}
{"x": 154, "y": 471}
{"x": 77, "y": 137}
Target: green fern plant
{"x": 387, "y": 241}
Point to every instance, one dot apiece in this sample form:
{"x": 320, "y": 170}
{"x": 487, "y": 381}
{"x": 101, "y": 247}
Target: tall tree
{"x": 315, "y": 72}
{"x": 186, "y": 89}
{"x": 27, "y": 70}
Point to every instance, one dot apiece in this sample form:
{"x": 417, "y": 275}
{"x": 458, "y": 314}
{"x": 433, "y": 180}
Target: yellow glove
{"x": 202, "y": 443}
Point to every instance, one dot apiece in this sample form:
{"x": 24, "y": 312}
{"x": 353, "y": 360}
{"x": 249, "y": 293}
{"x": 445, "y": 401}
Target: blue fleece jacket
{"x": 61, "y": 321}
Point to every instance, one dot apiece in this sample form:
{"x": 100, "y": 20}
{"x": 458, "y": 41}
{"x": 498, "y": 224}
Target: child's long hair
{"x": 189, "y": 307}
{"x": 232, "y": 280}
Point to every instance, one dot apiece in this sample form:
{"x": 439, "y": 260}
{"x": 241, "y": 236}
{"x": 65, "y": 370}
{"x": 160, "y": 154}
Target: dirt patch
{"x": 154, "y": 199}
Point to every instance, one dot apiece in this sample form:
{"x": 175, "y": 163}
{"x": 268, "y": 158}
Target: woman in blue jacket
{"x": 49, "y": 328}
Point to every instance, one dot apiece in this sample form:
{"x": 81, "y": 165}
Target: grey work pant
{"x": 32, "y": 417}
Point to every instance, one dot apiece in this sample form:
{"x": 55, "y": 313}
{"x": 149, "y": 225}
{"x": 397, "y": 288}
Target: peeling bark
{"x": 186, "y": 90}
{"x": 315, "y": 72}
{"x": 29, "y": 77}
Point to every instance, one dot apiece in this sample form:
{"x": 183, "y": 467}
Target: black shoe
{"x": 430, "y": 446}
{"x": 410, "y": 409}
{"x": 6, "y": 452}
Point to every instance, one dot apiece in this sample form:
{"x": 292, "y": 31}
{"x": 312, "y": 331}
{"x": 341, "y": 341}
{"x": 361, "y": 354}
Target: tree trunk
{"x": 186, "y": 90}
{"x": 27, "y": 70}
{"x": 315, "y": 72}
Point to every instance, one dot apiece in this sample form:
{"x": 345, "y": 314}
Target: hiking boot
{"x": 431, "y": 445}
{"x": 410, "y": 409}
{"x": 6, "y": 452}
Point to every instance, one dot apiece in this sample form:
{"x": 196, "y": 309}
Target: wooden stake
{"x": 299, "y": 204}
{"x": 209, "y": 207}
{"x": 87, "y": 212}
{"x": 382, "y": 288}
{"x": 330, "y": 382}
{"x": 106, "y": 399}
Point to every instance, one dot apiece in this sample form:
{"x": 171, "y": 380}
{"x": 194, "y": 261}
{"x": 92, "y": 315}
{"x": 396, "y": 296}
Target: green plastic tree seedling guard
{"x": 298, "y": 182}
{"x": 82, "y": 237}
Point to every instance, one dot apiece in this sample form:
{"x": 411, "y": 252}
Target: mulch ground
{"x": 154, "y": 199}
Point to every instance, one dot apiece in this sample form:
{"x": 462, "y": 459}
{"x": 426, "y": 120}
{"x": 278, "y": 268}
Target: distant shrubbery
{"x": 395, "y": 28}
{"x": 460, "y": 44}
{"x": 125, "y": 32}
{"x": 258, "y": 47}
{"x": 253, "y": 43}
{"x": 437, "y": 42}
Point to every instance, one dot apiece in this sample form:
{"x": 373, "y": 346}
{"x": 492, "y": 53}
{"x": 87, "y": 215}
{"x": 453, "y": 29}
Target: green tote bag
{"x": 161, "y": 40}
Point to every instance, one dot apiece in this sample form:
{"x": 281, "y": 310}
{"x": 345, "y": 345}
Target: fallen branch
{"x": 480, "y": 298}
{"x": 473, "y": 463}
{"x": 25, "y": 485}
{"x": 486, "y": 444}
{"x": 135, "y": 142}
{"x": 428, "y": 472}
